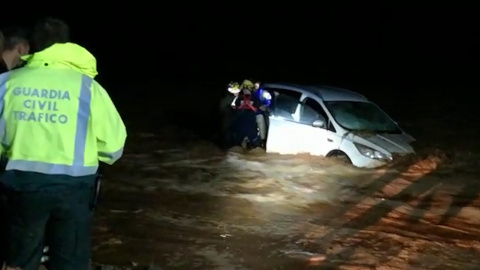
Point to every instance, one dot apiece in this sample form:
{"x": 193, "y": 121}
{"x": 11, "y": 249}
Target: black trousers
{"x": 60, "y": 218}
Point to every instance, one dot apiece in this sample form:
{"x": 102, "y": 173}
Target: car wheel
{"x": 341, "y": 157}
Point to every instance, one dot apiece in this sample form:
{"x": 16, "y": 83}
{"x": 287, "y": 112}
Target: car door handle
{"x": 329, "y": 140}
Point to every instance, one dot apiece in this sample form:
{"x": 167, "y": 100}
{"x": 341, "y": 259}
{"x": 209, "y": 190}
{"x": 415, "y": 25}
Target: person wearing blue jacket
{"x": 263, "y": 100}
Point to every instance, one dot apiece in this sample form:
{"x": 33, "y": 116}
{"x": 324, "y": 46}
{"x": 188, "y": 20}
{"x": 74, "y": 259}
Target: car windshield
{"x": 361, "y": 116}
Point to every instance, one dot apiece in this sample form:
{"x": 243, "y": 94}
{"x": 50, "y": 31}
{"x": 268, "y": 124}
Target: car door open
{"x": 282, "y": 121}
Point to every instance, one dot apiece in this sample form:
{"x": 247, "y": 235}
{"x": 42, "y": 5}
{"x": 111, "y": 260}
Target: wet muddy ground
{"x": 190, "y": 206}
{"x": 175, "y": 201}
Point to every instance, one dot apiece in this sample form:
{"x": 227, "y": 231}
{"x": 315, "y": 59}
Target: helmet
{"x": 233, "y": 87}
{"x": 247, "y": 84}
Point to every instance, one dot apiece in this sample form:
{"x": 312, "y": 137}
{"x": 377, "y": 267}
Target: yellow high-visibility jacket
{"x": 55, "y": 118}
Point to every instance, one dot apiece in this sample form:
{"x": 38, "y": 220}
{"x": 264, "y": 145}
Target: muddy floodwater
{"x": 192, "y": 206}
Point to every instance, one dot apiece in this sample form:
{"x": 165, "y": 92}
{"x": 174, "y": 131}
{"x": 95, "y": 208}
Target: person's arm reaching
{"x": 107, "y": 126}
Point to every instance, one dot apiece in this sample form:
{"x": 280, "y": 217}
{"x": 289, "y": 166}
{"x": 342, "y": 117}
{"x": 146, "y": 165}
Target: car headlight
{"x": 371, "y": 153}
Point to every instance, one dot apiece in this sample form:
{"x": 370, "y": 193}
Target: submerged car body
{"x": 328, "y": 121}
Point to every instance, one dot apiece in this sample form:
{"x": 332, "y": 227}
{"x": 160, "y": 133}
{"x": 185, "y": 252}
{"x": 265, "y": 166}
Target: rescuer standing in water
{"x": 58, "y": 124}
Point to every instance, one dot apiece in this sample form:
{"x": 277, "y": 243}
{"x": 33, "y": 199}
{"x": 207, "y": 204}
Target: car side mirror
{"x": 320, "y": 123}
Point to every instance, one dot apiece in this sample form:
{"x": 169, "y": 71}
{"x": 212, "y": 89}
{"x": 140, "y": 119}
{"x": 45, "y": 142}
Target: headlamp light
{"x": 372, "y": 153}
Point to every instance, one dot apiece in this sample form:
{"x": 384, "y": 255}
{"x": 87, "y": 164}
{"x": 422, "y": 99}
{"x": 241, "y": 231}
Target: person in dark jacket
{"x": 15, "y": 45}
{"x": 245, "y": 125}
{"x": 227, "y": 112}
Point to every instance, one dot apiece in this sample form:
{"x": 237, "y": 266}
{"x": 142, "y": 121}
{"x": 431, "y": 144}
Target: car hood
{"x": 392, "y": 143}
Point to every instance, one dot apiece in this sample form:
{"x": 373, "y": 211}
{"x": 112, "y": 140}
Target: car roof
{"x": 326, "y": 93}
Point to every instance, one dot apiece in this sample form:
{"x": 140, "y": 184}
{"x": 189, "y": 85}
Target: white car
{"x": 328, "y": 121}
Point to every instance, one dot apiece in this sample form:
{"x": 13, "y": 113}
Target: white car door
{"x": 319, "y": 136}
{"x": 283, "y": 135}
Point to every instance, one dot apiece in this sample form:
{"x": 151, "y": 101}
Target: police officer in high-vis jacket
{"x": 56, "y": 124}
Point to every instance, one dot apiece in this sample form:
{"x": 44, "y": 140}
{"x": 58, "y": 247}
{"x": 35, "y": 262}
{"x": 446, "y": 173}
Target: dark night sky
{"x": 348, "y": 46}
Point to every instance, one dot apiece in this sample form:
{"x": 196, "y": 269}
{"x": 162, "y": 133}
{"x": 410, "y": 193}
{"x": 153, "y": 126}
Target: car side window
{"x": 284, "y": 102}
{"x": 310, "y": 111}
